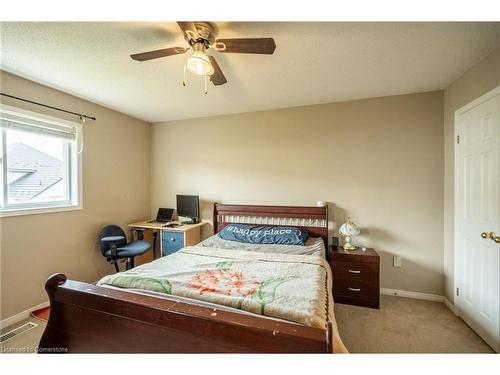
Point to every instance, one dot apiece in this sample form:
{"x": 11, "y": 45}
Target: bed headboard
{"x": 313, "y": 219}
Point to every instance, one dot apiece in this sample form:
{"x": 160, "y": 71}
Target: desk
{"x": 171, "y": 239}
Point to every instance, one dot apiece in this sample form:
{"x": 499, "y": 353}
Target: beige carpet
{"x": 402, "y": 325}
{"x": 405, "y": 325}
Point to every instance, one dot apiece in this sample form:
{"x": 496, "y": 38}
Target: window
{"x": 40, "y": 163}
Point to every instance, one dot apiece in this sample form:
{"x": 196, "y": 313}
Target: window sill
{"x": 34, "y": 211}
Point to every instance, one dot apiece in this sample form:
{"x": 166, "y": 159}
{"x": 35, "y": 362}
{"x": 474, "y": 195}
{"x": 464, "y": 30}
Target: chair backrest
{"x": 111, "y": 230}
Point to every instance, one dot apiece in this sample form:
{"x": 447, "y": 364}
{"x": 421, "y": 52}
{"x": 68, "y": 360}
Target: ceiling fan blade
{"x": 189, "y": 29}
{"x": 218, "y": 77}
{"x": 158, "y": 53}
{"x": 246, "y": 45}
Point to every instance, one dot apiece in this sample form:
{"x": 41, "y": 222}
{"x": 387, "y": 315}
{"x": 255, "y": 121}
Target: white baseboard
{"x": 418, "y": 295}
{"x": 408, "y": 294}
{"x": 450, "y": 305}
{"x": 21, "y": 316}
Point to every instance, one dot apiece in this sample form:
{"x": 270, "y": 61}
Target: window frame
{"x": 72, "y": 167}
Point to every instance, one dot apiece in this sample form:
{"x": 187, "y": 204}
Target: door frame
{"x": 483, "y": 98}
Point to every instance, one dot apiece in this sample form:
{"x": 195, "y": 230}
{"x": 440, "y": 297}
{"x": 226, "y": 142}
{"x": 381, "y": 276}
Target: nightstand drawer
{"x": 355, "y": 271}
{"x": 172, "y": 242}
{"x": 355, "y": 288}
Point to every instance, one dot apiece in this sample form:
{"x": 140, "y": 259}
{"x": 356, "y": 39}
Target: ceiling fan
{"x": 201, "y": 37}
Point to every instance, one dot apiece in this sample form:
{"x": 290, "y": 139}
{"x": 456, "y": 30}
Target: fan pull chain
{"x": 206, "y": 85}
{"x": 184, "y": 80}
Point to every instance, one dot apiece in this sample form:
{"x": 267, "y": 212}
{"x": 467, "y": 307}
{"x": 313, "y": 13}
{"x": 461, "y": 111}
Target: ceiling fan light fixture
{"x": 199, "y": 63}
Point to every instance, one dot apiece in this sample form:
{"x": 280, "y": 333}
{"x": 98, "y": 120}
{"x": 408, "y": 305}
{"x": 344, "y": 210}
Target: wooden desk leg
{"x": 149, "y": 256}
{"x": 155, "y": 254}
{"x": 160, "y": 234}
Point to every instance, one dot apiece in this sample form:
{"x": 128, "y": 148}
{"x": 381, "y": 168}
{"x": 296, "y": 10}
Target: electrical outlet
{"x": 397, "y": 261}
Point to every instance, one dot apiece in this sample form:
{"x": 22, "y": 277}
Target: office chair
{"x": 114, "y": 246}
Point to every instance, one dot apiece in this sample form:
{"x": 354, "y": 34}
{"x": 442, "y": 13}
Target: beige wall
{"x": 477, "y": 81}
{"x": 378, "y": 160}
{"x": 115, "y": 190}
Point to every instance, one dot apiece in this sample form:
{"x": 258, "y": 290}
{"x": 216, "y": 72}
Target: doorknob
{"x": 491, "y": 235}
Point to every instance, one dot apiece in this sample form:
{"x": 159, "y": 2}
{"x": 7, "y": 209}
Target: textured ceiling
{"x": 313, "y": 63}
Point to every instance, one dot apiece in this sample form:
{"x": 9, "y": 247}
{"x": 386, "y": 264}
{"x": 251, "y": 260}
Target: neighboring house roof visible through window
{"x": 31, "y": 172}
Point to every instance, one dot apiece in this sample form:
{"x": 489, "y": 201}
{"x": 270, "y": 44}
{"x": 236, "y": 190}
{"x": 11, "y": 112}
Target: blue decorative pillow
{"x": 264, "y": 234}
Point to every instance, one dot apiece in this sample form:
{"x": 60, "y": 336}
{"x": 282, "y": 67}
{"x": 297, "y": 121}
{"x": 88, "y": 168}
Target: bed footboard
{"x": 85, "y": 318}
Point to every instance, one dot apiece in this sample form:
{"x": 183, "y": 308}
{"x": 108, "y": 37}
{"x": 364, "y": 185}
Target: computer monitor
{"x": 189, "y": 206}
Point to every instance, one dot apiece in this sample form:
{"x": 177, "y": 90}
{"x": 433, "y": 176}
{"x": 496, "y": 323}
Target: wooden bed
{"x": 85, "y": 318}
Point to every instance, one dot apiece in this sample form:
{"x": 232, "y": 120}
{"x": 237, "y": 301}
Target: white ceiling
{"x": 313, "y": 63}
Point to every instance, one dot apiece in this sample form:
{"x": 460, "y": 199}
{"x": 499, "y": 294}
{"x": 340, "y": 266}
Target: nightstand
{"x": 356, "y": 276}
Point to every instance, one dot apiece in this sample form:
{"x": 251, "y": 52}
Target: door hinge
{"x": 458, "y": 138}
{"x": 458, "y": 292}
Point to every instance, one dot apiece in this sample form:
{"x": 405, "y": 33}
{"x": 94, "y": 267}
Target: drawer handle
{"x": 172, "y": 239}
{"x": 354, "y": 289}
{"x": 354, "y": 271}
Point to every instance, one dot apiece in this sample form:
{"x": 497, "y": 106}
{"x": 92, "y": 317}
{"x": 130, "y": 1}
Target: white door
{"x": 477, "y": 210}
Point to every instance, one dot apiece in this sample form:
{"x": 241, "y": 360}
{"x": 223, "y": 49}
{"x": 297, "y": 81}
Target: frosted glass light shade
{"x": 199, "y": 63}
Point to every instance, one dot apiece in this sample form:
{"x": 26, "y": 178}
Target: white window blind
{"x": 24, "y": 122}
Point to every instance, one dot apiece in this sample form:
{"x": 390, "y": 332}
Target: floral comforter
{"x": 290, "y": 287}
